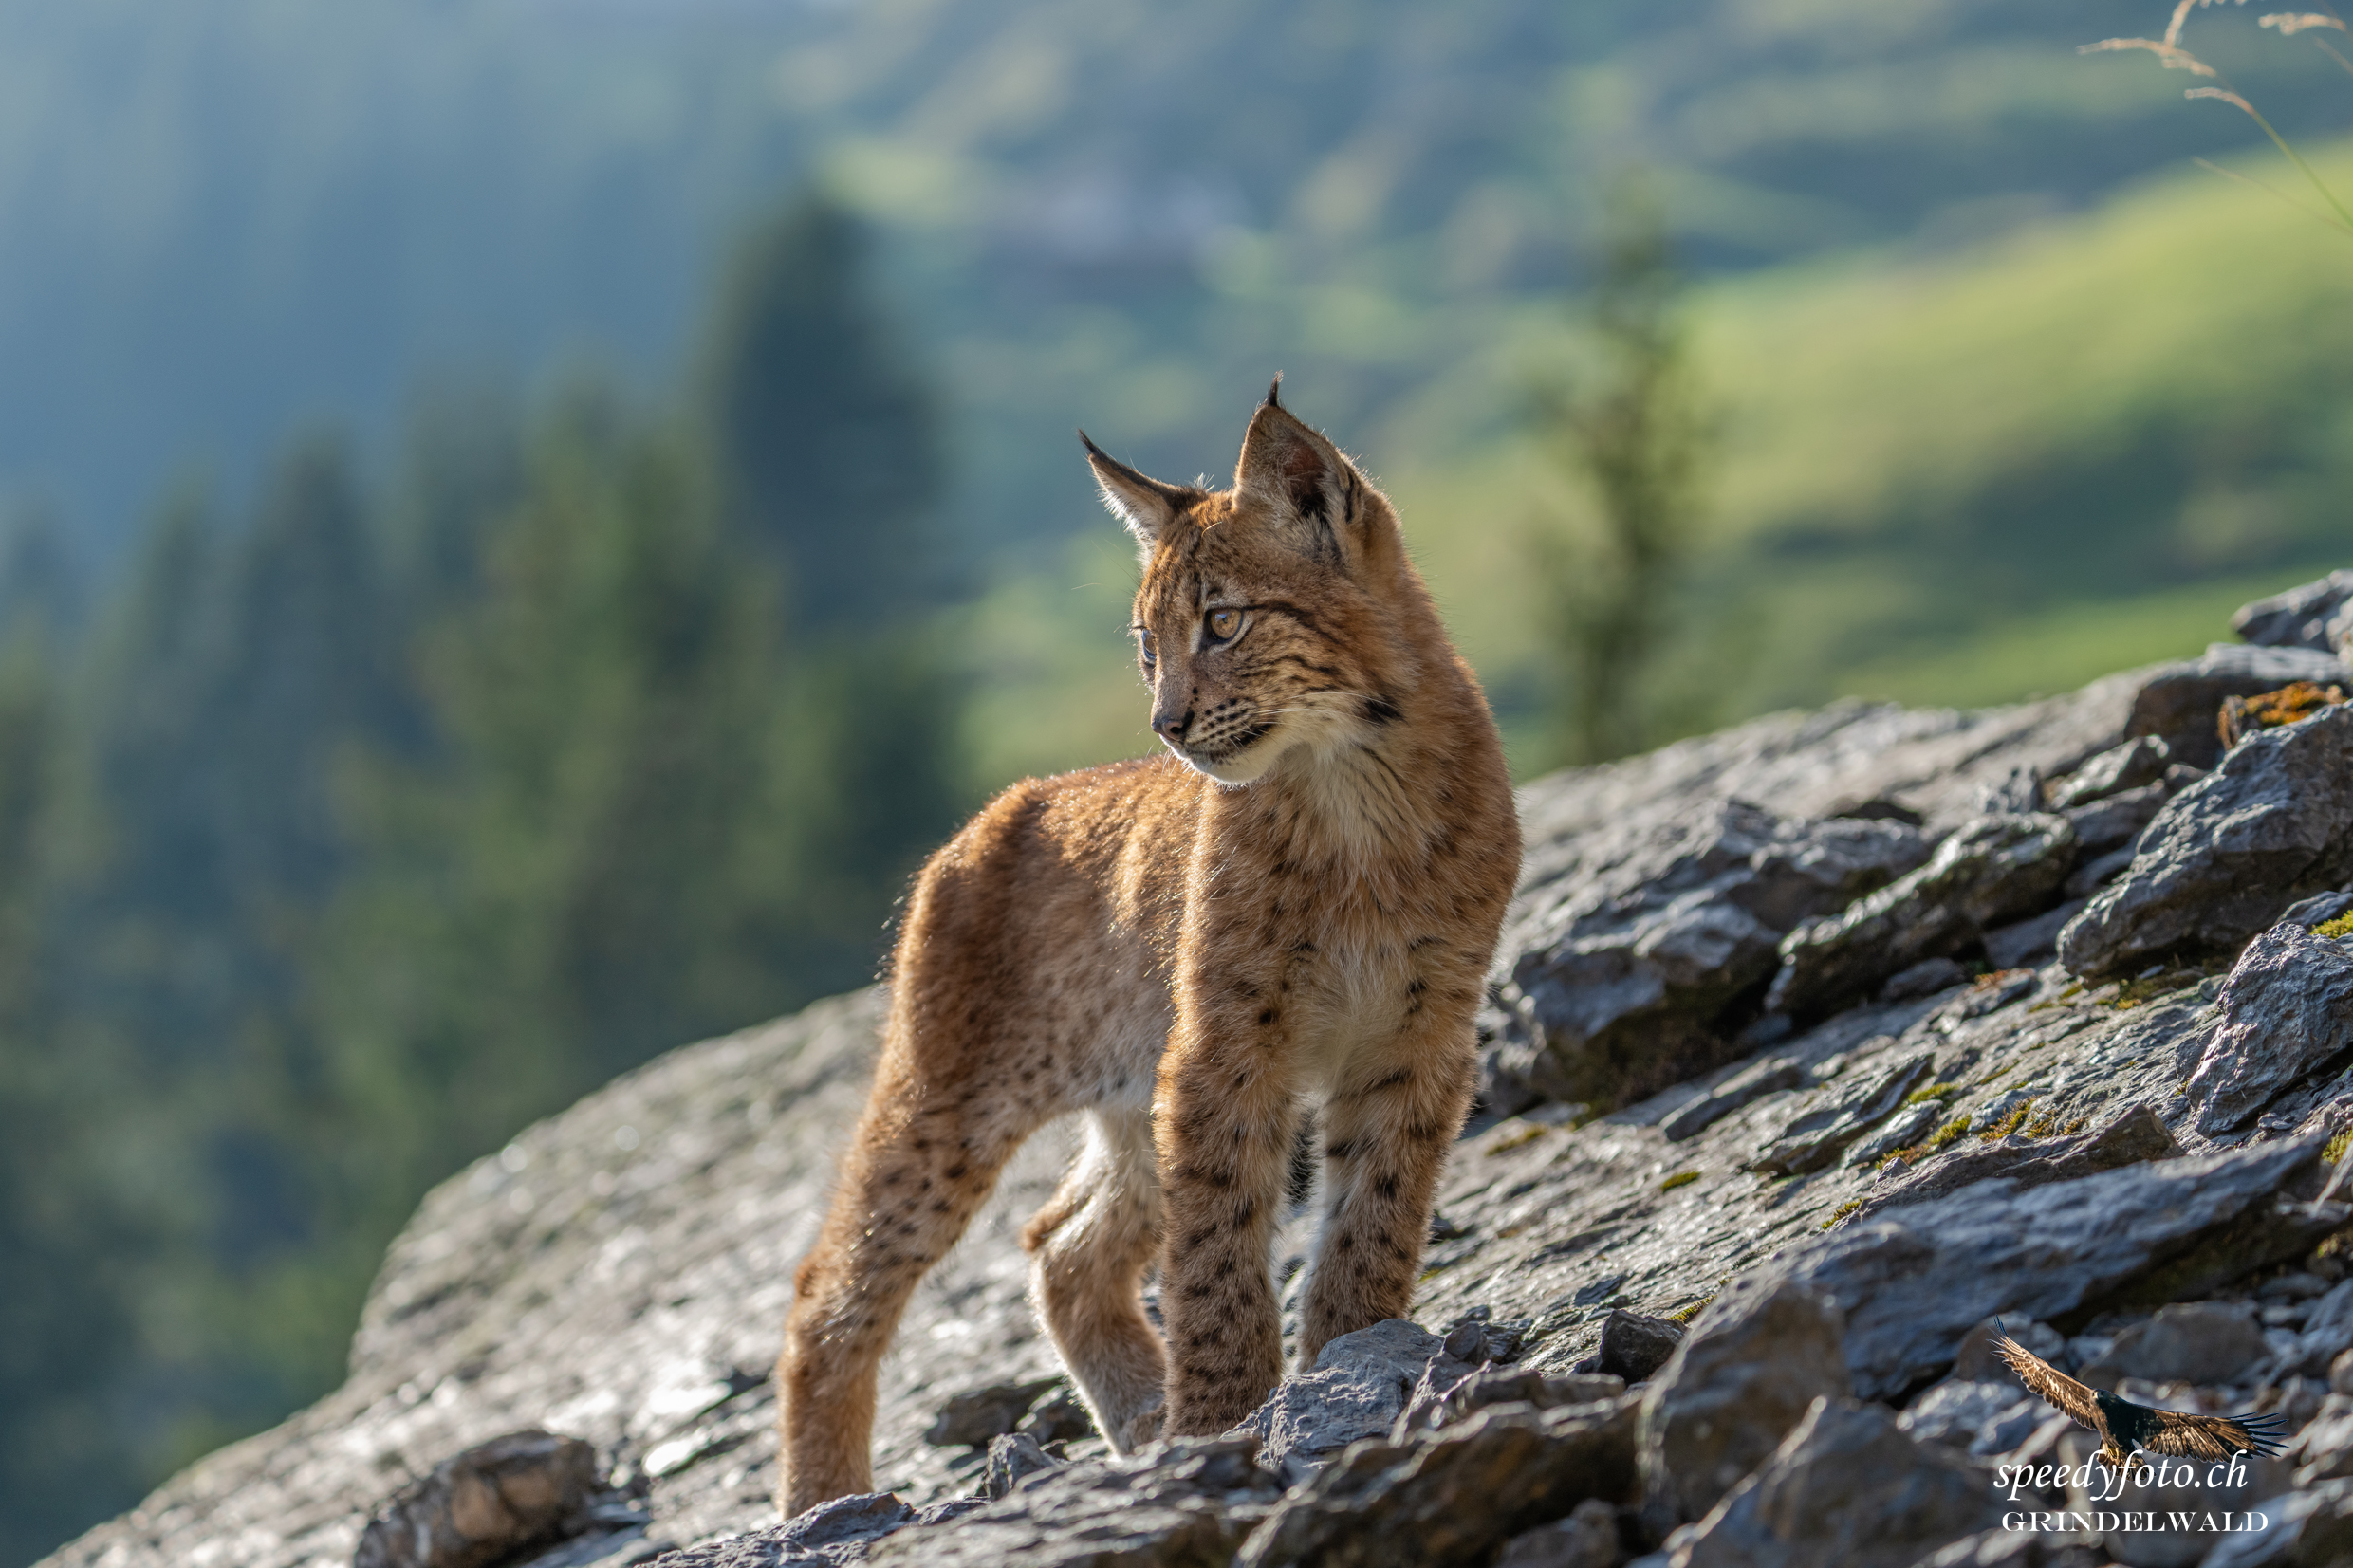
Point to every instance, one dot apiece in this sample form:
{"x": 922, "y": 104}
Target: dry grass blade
{"x": 2175, "y": 57}
{"x": 2292, "y": 23}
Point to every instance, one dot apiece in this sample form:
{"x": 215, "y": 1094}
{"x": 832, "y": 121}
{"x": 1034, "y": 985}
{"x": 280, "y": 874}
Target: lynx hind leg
{"x": 918, "y": 1168}
{"x": 1091, "y": 1245}
{"x": 1387, "y": 1132}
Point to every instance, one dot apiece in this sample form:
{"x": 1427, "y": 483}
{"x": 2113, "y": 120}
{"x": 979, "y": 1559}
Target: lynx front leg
{"x": 1225, "y": 1115}
{"x": 1388, "y": 1128}
{"x": 917, "y": 1170}
{"x": 1092, "y": 1243}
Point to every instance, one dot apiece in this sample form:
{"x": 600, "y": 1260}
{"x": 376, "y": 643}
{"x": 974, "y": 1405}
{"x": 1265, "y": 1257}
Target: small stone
{"x": 1437, "y": 1402}
{"x": 866, "y": 1517}
{"x": 1011, "y": 1457}
{"x": 1925, "y": 978}
{"x": 1976, "y": 1416}
{"x": 2112, "y": 823}
{"x": 1635, "y": 1345}
{"x": 485, "y": 1505}
{"x": 2189, "y": 1342}
{"x": 1360, "y": 1385}
{"x": 2025, "y": 942}
{"x": 2128, "y": 767}
{"x": 972, "y": 1418}
{"x": 2300, "y": 617}
{"x": 2180, "y": 703}
{"x": 1587, "y": 1539}
{"x": 1182, "y": 1504}
{"x": 2129, "y": 1139}
{"x": 1057, "y": 1416}
{"x": 2318, "y": 910}
{"x": 1751, "y": 1364}
{"x": 1848, "y": 1486}
{"x": 1733, "y": 1094}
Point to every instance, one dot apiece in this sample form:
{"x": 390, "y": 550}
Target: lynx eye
{"x": 1224, "y": 623}
{"x": 1144, "y": 637}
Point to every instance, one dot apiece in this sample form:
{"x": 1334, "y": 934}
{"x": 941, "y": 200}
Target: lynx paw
{"x": 1139, "y": 1429}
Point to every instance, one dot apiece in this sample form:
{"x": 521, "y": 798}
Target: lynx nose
{"x": 1171, "y": 727}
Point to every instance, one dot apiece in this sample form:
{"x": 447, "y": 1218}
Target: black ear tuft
{"x": 1274, "y": 398}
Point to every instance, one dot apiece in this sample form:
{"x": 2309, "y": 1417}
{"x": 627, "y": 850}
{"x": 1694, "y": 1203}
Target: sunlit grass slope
{"x": 1959, "y": 479}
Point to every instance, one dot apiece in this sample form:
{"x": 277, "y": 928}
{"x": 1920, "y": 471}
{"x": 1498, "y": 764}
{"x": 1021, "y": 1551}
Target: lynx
{"x": 1296, "y": 908}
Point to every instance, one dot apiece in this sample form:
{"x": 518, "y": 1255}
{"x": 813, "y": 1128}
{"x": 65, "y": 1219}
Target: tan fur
{"x": 1191, "y": 952}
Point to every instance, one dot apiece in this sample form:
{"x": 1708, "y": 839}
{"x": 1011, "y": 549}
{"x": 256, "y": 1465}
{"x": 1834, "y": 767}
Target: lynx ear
{"x": 1307, "y": 488}
{"x": 1146, "y": 506}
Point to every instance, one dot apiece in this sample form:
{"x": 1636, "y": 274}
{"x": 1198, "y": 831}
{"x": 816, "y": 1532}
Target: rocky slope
{"x": 1815, "y": 1044}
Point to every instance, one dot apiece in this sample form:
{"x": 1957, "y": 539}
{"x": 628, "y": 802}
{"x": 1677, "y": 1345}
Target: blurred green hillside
{"x": 221, "y": 219}
{"x": 1961, "y": 477}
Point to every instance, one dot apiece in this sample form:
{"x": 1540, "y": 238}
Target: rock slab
{"x": 2286, "y": 1009}
{"x": 2227, "y": 856}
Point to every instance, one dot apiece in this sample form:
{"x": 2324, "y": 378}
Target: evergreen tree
{"x": 826, "y": 440}
{"x": 1636, "y": 434}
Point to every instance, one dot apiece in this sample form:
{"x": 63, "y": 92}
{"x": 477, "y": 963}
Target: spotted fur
{"x": 1294, "y": 907}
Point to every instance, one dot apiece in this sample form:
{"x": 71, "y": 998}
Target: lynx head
{"x": 1277, "y": 618}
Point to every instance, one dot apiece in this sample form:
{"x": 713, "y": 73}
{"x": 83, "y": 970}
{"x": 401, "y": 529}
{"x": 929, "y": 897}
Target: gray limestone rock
{"x": 2287, "y": 1010}
{"x": 1751, "y": 1083}
{"x": 1816, "y": 1139}
{"x": 1847, "y": 1485}
{"x": 1760, "y": 1354}
{"x": 2273, "y": 824}
{"x": 1993, "y": 871}
{"x": 2306, "y": 615}
{"x": 2127, "y": 1139}
{"x": 1623, "y": 971}
{"x": 1454, "y": 1495}
{"x": 619, "y": 1272}
{"x": 2181, "y": 703}
{"x": 1913, "y": 1281}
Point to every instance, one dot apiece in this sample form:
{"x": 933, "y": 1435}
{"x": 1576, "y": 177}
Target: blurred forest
{"x": 521, "y": 521}
{"x": 355, "y": 831}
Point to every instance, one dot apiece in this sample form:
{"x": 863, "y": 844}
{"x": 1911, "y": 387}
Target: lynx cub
{"x": 1296, "y": 907}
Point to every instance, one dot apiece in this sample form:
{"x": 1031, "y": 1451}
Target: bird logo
{"x": 2124, "y": 1427}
